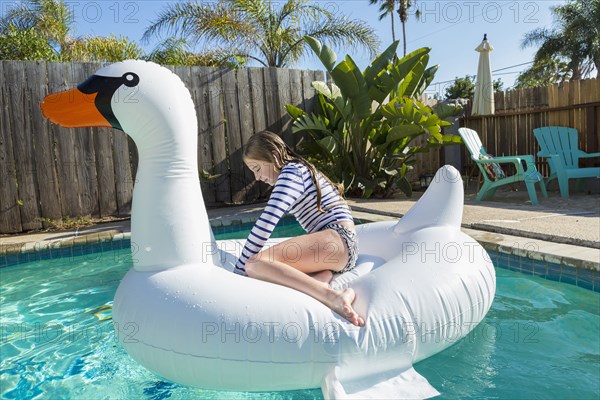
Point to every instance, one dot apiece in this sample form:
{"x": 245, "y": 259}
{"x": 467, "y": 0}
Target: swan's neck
{"x": 169, "y": 223}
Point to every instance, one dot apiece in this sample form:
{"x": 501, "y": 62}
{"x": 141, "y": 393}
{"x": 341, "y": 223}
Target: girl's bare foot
{"x": 323, "y": 276}
{"x": 341, "y": 303}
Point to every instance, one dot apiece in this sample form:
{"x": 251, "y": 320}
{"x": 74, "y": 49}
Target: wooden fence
{"x": 510, "y": 130}
{"x": 48, "y": 172}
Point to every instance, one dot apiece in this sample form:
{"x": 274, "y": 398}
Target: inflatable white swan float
{"x": 421, "y": 283}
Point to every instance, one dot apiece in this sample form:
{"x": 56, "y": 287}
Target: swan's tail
{"x": 403, "y": 384}
{"x": 441, "y": 205}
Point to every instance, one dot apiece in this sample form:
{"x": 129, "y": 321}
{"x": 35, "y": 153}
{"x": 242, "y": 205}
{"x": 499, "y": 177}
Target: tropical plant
{"x": 260, "y": 30}
{"x": 102, "y": 49}
{"x": 365, "y": 123}
{"x": 43, "y": 30}
{"x": 51, "y": 19}
{"x": 25, "y": 45}
{"x": 464, "y": 88}
{"x": 461, "y": 88}
{"x": 543, "y": 73}
{"x": 574, "y": 38}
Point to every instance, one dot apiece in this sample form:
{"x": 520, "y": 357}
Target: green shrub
{"x": 366, "y": 122}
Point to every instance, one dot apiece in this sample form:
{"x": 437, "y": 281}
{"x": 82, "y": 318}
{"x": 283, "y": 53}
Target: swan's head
{"x": 138, "y": 97}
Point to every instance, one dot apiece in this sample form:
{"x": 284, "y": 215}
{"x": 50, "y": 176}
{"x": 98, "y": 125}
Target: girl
{"x": 305, "y": 263}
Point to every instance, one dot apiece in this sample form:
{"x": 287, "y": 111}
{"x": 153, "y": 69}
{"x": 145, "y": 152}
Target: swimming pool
{"x": 539, "y": 340}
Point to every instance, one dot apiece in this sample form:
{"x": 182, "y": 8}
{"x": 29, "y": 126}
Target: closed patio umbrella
{"x": 483, "y": 100}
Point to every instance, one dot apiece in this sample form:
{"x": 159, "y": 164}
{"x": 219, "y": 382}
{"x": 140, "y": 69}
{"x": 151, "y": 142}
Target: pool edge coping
{"x": 501, "y": 242}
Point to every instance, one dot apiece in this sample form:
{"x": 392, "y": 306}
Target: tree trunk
{"x": 403, "y": 14}
{"x": 576, "y": 73}
{"x": 404, "y": 35}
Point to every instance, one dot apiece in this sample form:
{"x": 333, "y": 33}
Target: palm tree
{"x": 258, "y": 30}
{"x": 24, "y": 45}
{"x": 52, "y": 21}
{"x": 575, "y": 37}
{"x": 584, "y": 26}
{"x": 403, "y": 7}
{"x": 543, "y": 73}
{"x": 387, "y": 8}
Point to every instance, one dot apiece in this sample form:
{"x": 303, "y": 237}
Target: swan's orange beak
{"x": 73, "y": 109}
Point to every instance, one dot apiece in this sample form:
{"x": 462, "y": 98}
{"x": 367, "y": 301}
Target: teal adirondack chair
{"x": 487, "y": 164}
{"x": 560, "y": 145}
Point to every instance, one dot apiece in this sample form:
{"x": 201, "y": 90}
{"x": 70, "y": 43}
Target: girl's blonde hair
{"x": 268, "y": 147}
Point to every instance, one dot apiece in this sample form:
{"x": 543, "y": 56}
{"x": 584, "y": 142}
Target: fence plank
{"x": 217, "y": 128}
{"x": 23, "y": 147}
{"x": 258, "y": 99}
{"x": 245, "y": 105}
{"x": 10, "y": 215}
{"x": 308, "y": 99}
{"x": 296, "y": 89}
{"x": 234, "y": 135}
{"x": 45, "y": 167}
{"x": 123, "y": 177}
{"x": 562, "y": 99}
{"x": 271, "y": 91}
{"x": 80, "y": 143}
{"x": 84, "y": 147}
{"x": 283, "y": 98}
{"x": 259, "y": 110}
{"x": 573, "y": 99}
{"x": 59, "y": 76}
{"x": 105, "y": 172}
{"x": 201, "y": 95}
{"x": 26, "y": 151}
{"x": 519, "y": 120}
{"x": 552, "y": 102}
{"x": 591, "y": 121}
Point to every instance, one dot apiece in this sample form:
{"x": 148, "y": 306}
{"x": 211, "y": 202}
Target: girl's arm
{"x": 287, "y": 189}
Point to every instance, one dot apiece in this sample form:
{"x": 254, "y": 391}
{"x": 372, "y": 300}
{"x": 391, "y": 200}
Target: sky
{"x": 452, "y": 29}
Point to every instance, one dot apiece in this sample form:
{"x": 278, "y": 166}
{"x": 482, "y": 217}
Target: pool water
{"x": 539, "y": 340}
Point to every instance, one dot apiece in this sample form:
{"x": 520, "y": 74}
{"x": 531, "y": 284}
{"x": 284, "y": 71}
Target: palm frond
{"x": 341, "y": 31}
{"x": 255, "y": 12}
{"x": 574, "y": 36}
{"x": 50, "y": 18}
{"x": 386, "y": 8}
{"x": 536, "y": 36}
{"x": 197, "y": 21}
{"x": 20, "y": 16}
{"x": 252, "y": 7}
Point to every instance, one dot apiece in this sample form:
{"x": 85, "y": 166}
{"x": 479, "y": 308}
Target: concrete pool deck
{"x": 562, "y": 231}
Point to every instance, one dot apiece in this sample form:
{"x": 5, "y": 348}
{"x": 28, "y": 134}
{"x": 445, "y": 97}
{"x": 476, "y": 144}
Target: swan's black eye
{"x": 130, "y": 79}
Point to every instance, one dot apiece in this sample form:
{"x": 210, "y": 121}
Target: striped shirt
{"x": 294, "y": 192}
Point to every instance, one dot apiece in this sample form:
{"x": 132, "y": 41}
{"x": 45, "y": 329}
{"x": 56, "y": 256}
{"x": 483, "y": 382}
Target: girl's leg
{"x": 323, "y": 276}
{"x": 283, "y": 274}
{"x": 289, "y": 263}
